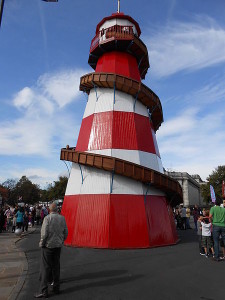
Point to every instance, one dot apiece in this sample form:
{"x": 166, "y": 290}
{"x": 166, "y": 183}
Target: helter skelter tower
{"x": 117, "y": 195}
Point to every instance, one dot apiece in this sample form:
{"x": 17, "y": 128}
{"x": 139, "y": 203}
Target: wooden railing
{"x": 128, "y": 169}
{"x": 129, "y": 86}
{"x": 114, "y": 32}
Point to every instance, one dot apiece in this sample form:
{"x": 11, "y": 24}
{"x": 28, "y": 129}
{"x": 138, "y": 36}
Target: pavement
{"x": 13, "y": 265}
{"x": 164, "y": 273}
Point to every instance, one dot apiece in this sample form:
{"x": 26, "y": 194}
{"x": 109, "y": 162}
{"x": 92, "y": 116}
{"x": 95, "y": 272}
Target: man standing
{"x": 183, "y": 217}
{"x": 53, "y": 233}
{"x": 217, "y": 215}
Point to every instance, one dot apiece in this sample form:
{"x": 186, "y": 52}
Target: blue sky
{"x": 44, "y": 50}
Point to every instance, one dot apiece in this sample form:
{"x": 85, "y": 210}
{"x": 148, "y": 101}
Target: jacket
{"x": 19, "y": 217}
{"x": 53, "y": 231}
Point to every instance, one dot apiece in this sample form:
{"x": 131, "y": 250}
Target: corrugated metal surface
{"x": 94, "y": 181}
{"x": 155, "y": 143}
{"x": 159, "y": 222}
{"x": 84, "y": 135}
{"x": 118, "y": 221}
{"x": 160, "y": 166}
{"x": 75, "y": 181}
{"x": 69, "y": 211}
{"x": 104, "y": 101}
{"x": 145, "y": 159}
{"x": 121, "y": 63}
{"x": 101, "y": 132}
{"x": 91, "y": 104}
{"x": 150, "y": 190}
{"x": 117, "y": 130}
{"x": 124, "y": 185}
{"x": 92, "y": 221}
{"x": 125, "y": 102}
{"x": 128, "y": 224}
{"x": 100, "y": 182}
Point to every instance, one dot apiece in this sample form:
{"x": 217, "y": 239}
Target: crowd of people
{"x": 209, "y": 225}
{"x": 21, "y": 217}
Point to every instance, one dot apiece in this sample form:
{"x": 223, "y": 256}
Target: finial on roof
{"x": 118, "y": 10}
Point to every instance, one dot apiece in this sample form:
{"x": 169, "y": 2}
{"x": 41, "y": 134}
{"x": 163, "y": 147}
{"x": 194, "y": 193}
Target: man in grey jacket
{"x": 53, "y": 233}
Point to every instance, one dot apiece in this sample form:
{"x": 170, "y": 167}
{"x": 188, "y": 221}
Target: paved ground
{"x": 13, "y": 265}
{"x": 168, "y": 273}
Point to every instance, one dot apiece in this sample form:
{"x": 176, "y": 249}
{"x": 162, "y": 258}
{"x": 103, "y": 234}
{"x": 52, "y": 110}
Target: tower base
{"x": 118, "y": 221}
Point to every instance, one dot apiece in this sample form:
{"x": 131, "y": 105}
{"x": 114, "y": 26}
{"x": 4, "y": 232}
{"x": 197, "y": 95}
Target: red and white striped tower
{"x": 117, "y": 195}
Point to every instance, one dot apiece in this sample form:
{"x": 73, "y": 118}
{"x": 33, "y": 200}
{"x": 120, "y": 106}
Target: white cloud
{"x": 36, "y": 175}
{"x": 24, "y": 98}
{"x": 186, "y": 46}
{"x": 193, "y": 142}
{"x": 186, "y": 123}
{"x": 62, "y": 87}
{"x": 212, "y": 93}
{"x": 42, "y": 120}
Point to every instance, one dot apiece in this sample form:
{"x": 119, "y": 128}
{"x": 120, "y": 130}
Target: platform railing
{"x": 114, "y": 32}
{"x": 127, "y": 169}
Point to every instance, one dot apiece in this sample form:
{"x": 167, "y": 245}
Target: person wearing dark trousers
{"x": 53, "y": 233}
{"x": 217, "y": 215}
{"x": 25, "y": 221}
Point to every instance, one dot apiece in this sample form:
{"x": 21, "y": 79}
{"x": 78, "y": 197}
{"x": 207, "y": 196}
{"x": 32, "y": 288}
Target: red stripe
{"x": 116, "y": 130}
{"x": 84, "y": 135}
{"x": 118, "y": 221}
{"x": 69, "y": 211}
{"x": 128, "y": 224}
{"x": 164, "y": 233}
{"x": 119, "y": 63}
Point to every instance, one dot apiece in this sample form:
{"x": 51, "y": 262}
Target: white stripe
{"x": 102, "y": 100}
{"x": 97, "y": 181}
{"x": 145, "y": 159}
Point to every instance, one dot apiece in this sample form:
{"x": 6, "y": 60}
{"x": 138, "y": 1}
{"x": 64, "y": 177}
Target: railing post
{"x": 81, "y": 174}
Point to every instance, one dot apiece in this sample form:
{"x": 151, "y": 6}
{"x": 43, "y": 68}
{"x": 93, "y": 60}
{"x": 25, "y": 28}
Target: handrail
{"x": 127, "y": 85}
{"x": 128, "y": 169}
{"x": 116, "y": 31}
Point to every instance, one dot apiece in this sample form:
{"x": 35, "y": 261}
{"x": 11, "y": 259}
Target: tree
{"x": 215, "y": 179}
{"x": 28, "y": 191}
{"x": 10, "y": 185}
{"x": 3, "y": 195}
{"x": 56, "y": 190}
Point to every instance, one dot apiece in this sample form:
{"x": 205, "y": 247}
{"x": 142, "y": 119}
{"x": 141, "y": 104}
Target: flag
{"x": 223, "y": 189}
{"x": 213, "y": 196}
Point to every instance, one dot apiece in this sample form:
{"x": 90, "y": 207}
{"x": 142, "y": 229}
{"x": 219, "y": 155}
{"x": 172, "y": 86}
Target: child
{"x": 199, "y": 233}
{"x": 14, "y": 223}
{"x": 206, "y": 236}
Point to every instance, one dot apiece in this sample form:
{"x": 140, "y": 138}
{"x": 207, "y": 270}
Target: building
{"x": 191, "y": 186}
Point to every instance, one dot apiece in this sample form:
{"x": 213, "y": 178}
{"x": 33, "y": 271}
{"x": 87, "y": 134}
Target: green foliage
{"x": 56, "y": 190}
{"x": 31, "y": 193}
{"x": 215, "y": 179}
{"x": 24, "y": 188}
{"x": 9, "y": 185}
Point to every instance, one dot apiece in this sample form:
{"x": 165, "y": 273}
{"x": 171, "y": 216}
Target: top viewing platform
{"x": 119, "y": 32}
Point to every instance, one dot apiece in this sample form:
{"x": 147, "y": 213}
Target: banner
{"x": 223, "y": 189}
{"x": 213, "y": 196}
